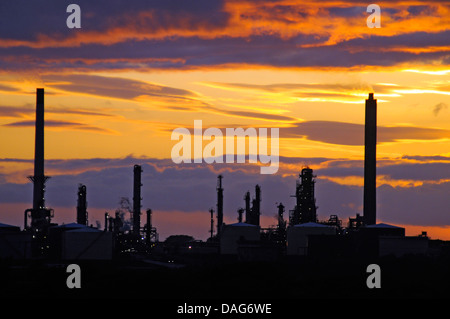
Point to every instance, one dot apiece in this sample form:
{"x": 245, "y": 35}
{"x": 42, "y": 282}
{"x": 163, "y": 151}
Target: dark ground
{"x": 407, "y": 277}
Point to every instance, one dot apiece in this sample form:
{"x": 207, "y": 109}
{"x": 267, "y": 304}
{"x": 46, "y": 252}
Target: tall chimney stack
{"x": 39, "y": 179}
{"x": 40, "y": 215}
{"x": 137, "y": 199}
{"x": 370, "y": 154}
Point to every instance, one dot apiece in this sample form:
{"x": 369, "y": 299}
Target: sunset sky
{"x": 116, "y": 88}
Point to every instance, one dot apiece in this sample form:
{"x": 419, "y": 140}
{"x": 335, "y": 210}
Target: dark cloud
{"x": 25, "y": 20}
{"x": 422, "y": 205}
{"x": 439, "y": 107}
{"x": 286, "y": 87}
{"x": 258, "y": 115}
{"x": 194, "y": 52}
{"x": 8, "y": 88}
{"x": 427, "y": 158}
{"x": 50, "y": 123}
{"x": 353, "y": 134}
{"x": 428, "y": 172}
{"x": 15, "y": 111}
{"x": 62, "y": 124}
{"x": 410, "y": 40}
{"x": 417, "y": 171}
{"x": 28, "y": 109}
{"x": 110, "y": 86}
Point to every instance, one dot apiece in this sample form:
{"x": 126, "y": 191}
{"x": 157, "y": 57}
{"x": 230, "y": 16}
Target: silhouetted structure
{"x": 39, "y": 214}
{"x": 281, "y": 227}
{"x": 219, "y": 205}
{"x": 370, "y": 154}
{"x": 240, "y": 213}
{"x": 151, "y": 234}
{"x": 137, "y": 199}
{"x": 82, "y": 215}
{"x": 355, "y": 223}
{"x": 248, "y": 213}
{"x": 305, "y": 208}
{"x": 307, "y": 236}
{"x": 252, "y": 217}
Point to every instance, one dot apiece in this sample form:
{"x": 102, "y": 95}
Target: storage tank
{"x": 232, "y": 234}
{"x": 297, "y": 236}
{"x": 87, "y": 243}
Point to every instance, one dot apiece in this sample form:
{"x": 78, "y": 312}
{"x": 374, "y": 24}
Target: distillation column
{"x": 82, "y": 215}
{"x": 370, "y": 154}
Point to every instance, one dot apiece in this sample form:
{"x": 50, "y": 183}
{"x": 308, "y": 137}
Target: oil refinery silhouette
{"x": 238, "y": 250}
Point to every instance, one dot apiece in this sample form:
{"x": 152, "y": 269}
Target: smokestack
{"x": 39, "y": 179}
{"x": 40, "y": 215}
{"x": 370, "y": 154}
{"x": 253, "y": 216}
{"x": 248, "y": 213}
{"x": 137, "y": 199}
{"x": 219, "y": 205}
{"x": 82, "y": 206}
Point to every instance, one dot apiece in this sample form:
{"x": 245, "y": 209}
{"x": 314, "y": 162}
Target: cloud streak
{"x": 353, "y": 134}
{"x": 65, "y": 125}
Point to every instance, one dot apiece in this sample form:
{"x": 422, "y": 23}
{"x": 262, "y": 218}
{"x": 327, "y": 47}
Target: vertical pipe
{"x": 370, "y": 145}
{"x": 137, "y": 199}
{"x": 39, "y": 178}
{"x": 219, "y": 205}
{"x": 248, "y": 213}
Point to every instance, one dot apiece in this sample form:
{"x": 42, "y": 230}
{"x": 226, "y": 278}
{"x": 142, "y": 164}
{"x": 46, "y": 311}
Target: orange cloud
{"x": 328, "y": 22}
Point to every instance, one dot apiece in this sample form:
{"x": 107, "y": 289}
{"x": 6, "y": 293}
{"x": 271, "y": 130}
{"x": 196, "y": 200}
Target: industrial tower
{"x": 305, "y": 208}
{"x": 137, "y": 171}
{"x": 82, "y": 215}
{"x": 40, "y": 215}
{"x": 370, "y": 161}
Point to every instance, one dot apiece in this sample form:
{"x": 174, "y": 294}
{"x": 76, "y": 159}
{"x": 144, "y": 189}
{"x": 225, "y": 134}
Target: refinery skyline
{"x": 119, "y": 86}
